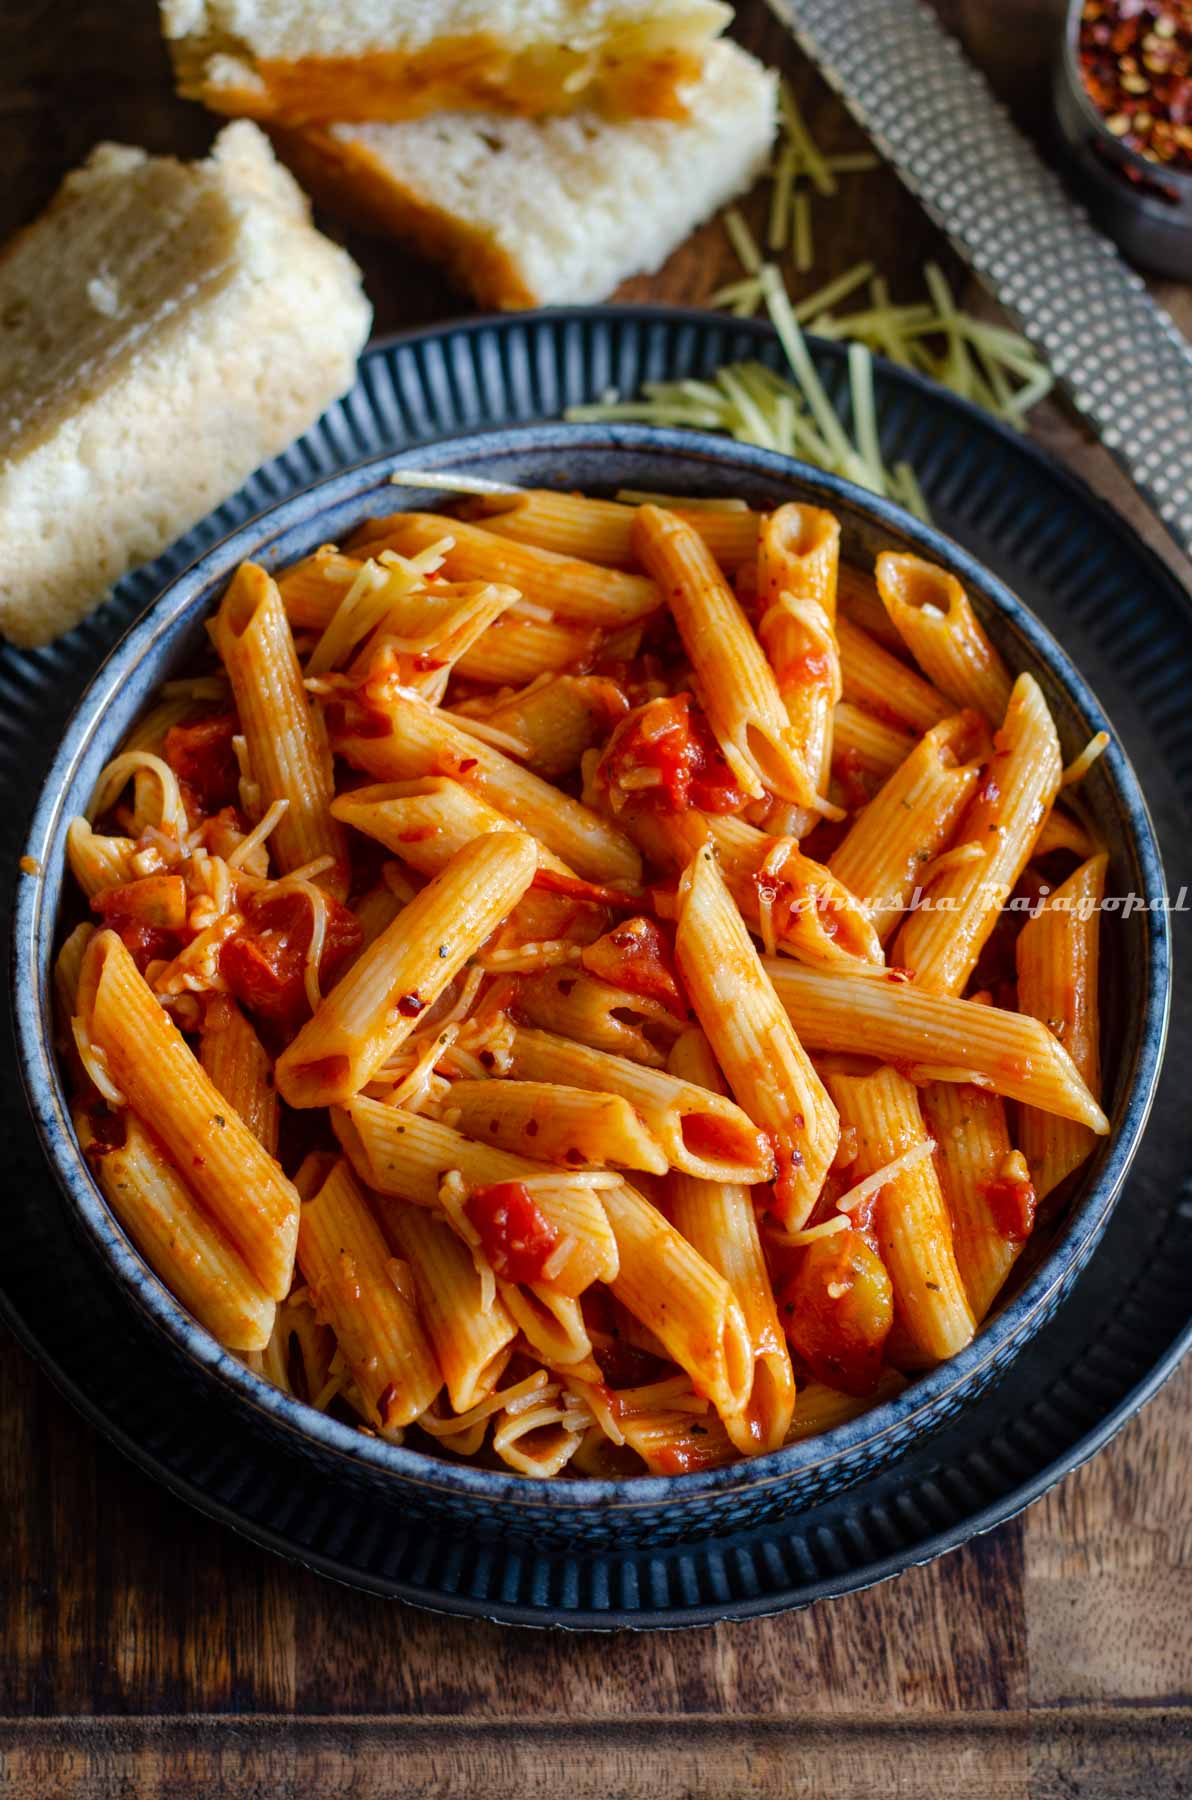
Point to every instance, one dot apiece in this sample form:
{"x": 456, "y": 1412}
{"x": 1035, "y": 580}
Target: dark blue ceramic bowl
{"x": 596, "y": 1514}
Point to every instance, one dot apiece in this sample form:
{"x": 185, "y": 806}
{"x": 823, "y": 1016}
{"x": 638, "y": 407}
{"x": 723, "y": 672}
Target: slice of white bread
{"x": 164, "y": 328}
{"x": 550, "y": 211}
{"x": 302, "y": 62}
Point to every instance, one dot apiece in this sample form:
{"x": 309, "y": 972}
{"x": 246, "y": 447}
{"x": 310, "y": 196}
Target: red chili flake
{"x": 387, "y": 1401}
{"x": 409, "y": 1006}
{"x": 1135, "y": 61}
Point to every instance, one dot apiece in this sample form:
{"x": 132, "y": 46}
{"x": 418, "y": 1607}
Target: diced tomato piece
{"x": 147, "y": 915}
{"x": 263, "y": 963}
{"x": 515, "y": 1237}
{"x": 1013, "y": 1205}
{"x": 671, "y": 738}
{"x": 638, "y": 957}
{"x": 837, "y": 1311}
{"x": 202, "y": 757}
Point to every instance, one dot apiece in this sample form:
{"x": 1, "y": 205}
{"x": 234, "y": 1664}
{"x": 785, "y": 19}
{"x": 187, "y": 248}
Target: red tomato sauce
{"x": 1013, "y": 1205}
{"x": 263, "y": 963}
{"x": 637, "y": 956}
{"x": 677, "y": 741}
{"x": 202, "y": 757}
{"x": 515, "y": 1237}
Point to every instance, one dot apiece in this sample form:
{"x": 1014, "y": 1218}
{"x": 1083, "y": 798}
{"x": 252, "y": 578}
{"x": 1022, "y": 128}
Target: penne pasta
{"x": 936, "y": 1036}
{"x": 567, "y": 587}
{"x": 718, "y": 1220}
{"x": 236, "y": 1061}
{"x": 935, "y": 619}
{"x": 702, "y": 1133}
{"x": 690, "y": 1308}
{"x": 941, "y": 942}
{"x": 377, "y": 1003}
{"x": 601, "y": 531}
{"x": 876, "y": 681}
{"x": 349, "y": 1271}
{"x": 154, "y": 1068}
{"x": 764, "y": 1063}
{"x": 797, "y": 564}
{"x": 573, "y": 1126}
{"x": 472, "y": 1342}
{"x": 990, "y": 1214}
{"x": 1058, "y": 956}
{"x": 407, "y": 1155}
{"x": 179, "y": 1240}
{"x": 910, "y": 1219}
{"x": 519, "y": 647}
{"x": 289, "y": 759}
{"x": 739, "y": 690}
{"x": 555, "y": 719}
{"x": 573, "y": 1004}
{"x": 421, "y": 743}
{"x": 911, "y": 819}
{"x": 865, "y": 747}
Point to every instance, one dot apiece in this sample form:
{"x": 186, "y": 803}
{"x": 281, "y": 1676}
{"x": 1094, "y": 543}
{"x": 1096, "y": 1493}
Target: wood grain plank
{"x": 1108, "y": 1568}
{"x": 855, "y": 1759}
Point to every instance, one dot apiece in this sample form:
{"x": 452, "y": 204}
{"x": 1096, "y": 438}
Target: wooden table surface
{"x": 145, "y": 1651}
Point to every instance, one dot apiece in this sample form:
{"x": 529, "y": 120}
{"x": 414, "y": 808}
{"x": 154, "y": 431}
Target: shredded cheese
{"x": 873, "y": 1184}
{"x": 244, "y": 849}
{"x": 1077, "y": 770}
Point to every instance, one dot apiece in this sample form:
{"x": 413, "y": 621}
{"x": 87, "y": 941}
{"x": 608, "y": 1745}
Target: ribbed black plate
{"x": 1125, "y": 622}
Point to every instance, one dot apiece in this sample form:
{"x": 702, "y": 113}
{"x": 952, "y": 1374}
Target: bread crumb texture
{"x": 555, "y": 210}
{"x": 164, "y": 329}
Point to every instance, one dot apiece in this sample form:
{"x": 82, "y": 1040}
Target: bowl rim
{"x": 923, "y": 1403}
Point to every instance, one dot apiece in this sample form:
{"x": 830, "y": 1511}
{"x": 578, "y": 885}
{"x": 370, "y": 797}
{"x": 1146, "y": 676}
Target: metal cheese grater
{"x": 1123, "y": 362}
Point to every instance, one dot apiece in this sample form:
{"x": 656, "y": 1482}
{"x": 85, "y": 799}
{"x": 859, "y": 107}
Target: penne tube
{"x": 875, "y": 680}
{"x": 909, "y": 821}
{"x": 519, "y": 647}
{"x": 577, "y": 1005}
{"x": 1058, "y": 955}
{"x": 972, "y": 1150}
{"x": 942, "y": 939}
{"x": 472, "y": 1343}
{"x": 664, "y": 1281}
{"x": 376, "y": 910}
{"x": 556, "y": 720}
{"x": 147, "y": 1057}
{"x": 910, "y": 1218}
{"x": 313, "y": 590}
{"x": 348, "y": 1268}
{"x": 421, "y": 638}
{"x": 736, "y": 683}
{"x": 422, "y": 742}
{"x": 678, "y": 1443}
{"x": 718, "y": 1219}
{"x": 427, "y": 821}
{"x": 601, "y": 531}
{"x": 234, "y": 1057}
{"x": 935, "y": 619}
{"x": 790, "y": 901}
{"x": 797, "y": 563}
{"x": 564, "y": 585}
{"x": 863, "y": 745}
{"x": 182, "y": 1244}
{"x": 753, "y": 1039}
{"x": 406, "y": 1154}
{"x": 819, "y": 1408}
{"x": 288, "y": 756}
{"x": 568, "y": 1125}
{"x": 553, "y": 1327}
{"x": 702, "y": 1133}
{"x": 935, "y": 1035}
{"x": 364, "y": 1018}
{"x": 858, "y": 599}
{"x": 1062, "y": 832}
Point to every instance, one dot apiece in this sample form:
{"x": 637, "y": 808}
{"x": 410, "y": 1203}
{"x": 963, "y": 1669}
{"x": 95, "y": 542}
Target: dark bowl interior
{"x": 599, "y": 460}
